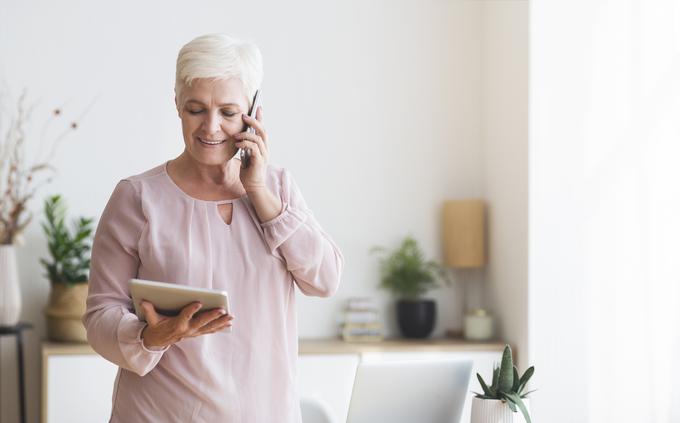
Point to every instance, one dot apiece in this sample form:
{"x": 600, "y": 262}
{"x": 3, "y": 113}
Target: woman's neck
{"x": 223, "y": 177}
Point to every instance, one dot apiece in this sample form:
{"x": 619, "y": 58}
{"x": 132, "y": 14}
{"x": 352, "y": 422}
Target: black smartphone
{"x": 244, "y": 153}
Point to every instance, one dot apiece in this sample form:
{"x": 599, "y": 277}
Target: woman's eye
{"x": 227, "y": 114}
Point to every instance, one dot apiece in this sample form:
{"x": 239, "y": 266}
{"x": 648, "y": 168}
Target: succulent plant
{"x": 507, "y": 385}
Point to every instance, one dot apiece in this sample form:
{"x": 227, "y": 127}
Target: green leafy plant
{"x": 406, "y": 273}
{"x": 507, "y": 385}
{"x": 69, "y": 250}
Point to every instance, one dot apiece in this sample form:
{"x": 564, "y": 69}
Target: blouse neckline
{"x": 184, "y": 194}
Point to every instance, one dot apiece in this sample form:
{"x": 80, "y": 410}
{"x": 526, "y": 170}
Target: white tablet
{"x": 170, "y": 298}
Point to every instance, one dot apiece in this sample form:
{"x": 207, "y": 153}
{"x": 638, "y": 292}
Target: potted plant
{"x": 500, "y": 402}
{"x": 408, "y": 276}
{"x": 67, "y": 271}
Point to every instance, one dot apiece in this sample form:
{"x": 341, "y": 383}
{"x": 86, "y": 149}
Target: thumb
{"x": 149, "y": 312}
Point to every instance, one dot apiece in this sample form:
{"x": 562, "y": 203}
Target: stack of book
{"x": 361, "y": 321}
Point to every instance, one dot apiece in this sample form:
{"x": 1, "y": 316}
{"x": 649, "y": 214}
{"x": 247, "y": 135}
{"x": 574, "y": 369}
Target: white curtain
{"x": 605, "y": 111}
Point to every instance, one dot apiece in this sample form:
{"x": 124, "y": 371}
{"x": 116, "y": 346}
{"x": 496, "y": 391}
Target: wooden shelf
{"x": 338, "y": 346}
{"x": 334, "y": 346}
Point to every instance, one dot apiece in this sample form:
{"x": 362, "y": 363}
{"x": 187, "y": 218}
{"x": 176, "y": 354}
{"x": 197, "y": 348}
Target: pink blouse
{"x": 151, "y": 229}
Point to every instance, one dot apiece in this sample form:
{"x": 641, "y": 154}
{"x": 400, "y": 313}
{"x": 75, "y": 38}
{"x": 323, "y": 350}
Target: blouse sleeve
{"x": 113, "y": 330}
{"x": 310, "y": 254}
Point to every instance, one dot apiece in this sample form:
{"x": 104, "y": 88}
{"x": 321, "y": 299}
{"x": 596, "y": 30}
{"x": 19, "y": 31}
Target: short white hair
{"x": 221, "y": 57}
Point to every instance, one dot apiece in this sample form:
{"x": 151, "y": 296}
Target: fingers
{"x": 201, "y": 319}
{"x": 258, "y": 114}
{"x": 256, "y": 124}
{"x": 149, "y": 312}
{"x": 217, "y": 325}
{"x": 254, "y": 143}
{"x": 188, "y": 311}
{"x": 256, "y": 137}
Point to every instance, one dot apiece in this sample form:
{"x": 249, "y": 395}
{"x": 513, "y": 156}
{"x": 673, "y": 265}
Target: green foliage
{"x": 406, "y": 273}
{"x": 69, "y": 250}
{"x": 507, "y": 385}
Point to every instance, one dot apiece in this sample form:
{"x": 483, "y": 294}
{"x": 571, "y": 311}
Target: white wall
{"x": 604, "y": 205}
{"x": 557, "y": 325}
{"x": 505, "y": 61}
{"x": 374, "y": 106}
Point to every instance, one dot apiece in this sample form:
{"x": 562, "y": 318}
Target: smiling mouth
{"x": 211, "y": 142}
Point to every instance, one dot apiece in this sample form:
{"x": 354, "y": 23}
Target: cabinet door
{"x": 78, "y": 388}
{"x": 482, "y": 362}
{"x": 327, "y": 380}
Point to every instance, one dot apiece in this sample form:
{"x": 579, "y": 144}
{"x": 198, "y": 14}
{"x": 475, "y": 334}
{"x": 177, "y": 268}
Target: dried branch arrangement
{"x": 20, "y": 178}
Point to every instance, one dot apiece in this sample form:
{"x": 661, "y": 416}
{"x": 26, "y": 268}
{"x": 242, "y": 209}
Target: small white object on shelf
{"x": 478, "y": 325}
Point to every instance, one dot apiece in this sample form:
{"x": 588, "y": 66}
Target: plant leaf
{"x": 405, "y": 272}
{"x": 69, "y": 249}
{"x": 520, "y": 404}
{"x": 526, "y": 394}
{"x": 525, "y": 379}
{"x": 494, "y": 382}
{"x": 506, "y": 373}
{"x": 510, "y": 403}
{"x": 486, "y": 389}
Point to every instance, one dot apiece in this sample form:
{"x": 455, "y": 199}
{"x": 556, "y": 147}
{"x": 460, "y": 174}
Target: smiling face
{"x": 211, "y": 112}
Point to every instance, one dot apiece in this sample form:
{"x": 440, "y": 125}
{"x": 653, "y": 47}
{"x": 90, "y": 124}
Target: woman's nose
{"x": 213, "y": 123}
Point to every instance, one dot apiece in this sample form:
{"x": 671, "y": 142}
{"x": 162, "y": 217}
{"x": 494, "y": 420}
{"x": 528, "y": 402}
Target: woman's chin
{"x": 214, "y": 158}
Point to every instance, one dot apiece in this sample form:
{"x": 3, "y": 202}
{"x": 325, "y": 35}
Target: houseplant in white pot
{"x": 505, "y": 400}
{"x": 67, "y": 271}
{"x": 409, "y": 276}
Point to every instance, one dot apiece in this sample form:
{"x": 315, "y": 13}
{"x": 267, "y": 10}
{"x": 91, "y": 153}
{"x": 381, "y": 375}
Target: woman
{"x": 204, "y": 220}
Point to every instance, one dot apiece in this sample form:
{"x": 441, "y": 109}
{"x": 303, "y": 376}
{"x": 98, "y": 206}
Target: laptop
{"x": 432, "y": 391}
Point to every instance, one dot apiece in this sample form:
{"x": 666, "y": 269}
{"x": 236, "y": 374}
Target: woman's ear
{"x": 177, "y": 106}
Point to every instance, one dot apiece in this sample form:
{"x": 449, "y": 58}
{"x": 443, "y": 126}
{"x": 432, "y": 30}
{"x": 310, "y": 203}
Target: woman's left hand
{"x": 253, "y": 177}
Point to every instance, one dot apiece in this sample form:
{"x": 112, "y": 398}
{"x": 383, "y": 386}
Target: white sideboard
{"x": 78, "y": 383}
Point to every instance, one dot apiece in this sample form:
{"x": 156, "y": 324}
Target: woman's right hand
{"x": 163, "y": 330}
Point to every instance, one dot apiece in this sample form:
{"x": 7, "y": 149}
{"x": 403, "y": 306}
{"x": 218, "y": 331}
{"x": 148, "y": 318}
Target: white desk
{"x": 77, "y": 383}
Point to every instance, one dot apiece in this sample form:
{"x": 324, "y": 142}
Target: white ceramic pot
{"x": 496, "y": 411}
{"x": 10, "y": 295}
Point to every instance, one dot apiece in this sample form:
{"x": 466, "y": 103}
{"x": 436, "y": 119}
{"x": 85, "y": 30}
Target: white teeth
{"x": 211, "y": 142}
